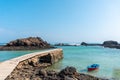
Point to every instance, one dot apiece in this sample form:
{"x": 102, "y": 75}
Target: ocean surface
{"x": 80, "y": 57}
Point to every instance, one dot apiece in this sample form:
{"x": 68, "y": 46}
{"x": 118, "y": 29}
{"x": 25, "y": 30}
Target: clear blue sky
{"x": 60, "y": 20}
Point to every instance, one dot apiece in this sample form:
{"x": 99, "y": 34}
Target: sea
{"x": 80, "y": 57}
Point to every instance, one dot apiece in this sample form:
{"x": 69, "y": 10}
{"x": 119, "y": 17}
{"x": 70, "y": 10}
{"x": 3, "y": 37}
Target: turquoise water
{"x": 80, "y": 57}
{"x": 6, "y": 55}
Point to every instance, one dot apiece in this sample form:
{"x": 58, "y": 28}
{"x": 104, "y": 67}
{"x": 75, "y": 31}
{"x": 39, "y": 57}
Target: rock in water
{"x": 30, "y": 43}
{"x": 68, "y": 71}
{"x": 84, "y": 44}
{"x": 111, "y": 44}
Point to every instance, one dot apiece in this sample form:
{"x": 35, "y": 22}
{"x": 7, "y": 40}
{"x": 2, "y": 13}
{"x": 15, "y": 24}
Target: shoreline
{"x": 28, "y": 62}
{"x": 82, "y": 73}
{"x": 20, "y": 48}
{"x": 27, "y": 66}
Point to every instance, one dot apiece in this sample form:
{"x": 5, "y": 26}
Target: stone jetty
{"x": 15, "y": 69}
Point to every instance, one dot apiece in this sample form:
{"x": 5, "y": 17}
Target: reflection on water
{"x": 6, "y": 55}
{"x": 93, "y": 72}
{"x": 83, "y": 70}
{"x": 116, "y": 74}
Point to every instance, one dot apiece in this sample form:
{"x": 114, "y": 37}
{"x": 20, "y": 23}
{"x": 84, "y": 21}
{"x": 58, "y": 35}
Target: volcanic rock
{"x": 30, "y": 43}
{"x": 69, "y": 73}
{"x": 90, "y": 44}
{"x": 84, "y": 44}
{"x": 111, "y": 44}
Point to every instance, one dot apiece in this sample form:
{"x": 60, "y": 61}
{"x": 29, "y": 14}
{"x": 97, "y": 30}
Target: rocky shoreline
{"x": 32, "y": 70}
{"x": 40, "y": 73}
{"x": 18, "y": 48}
{"x": 36, "y": 68}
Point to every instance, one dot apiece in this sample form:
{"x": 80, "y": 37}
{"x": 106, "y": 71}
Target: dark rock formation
{"x": 69, "y": 73}
{"x": 30, "y": 43}
{"x": 84, "y": 44}
{"x": 62, "y": 44}
{"x": 111, "y": 44}
{"x": 66, "y": 44}
{"x": 88, "y": 44}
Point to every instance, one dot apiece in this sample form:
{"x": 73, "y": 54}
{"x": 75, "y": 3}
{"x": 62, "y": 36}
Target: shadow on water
{"x": 89, "y": 72}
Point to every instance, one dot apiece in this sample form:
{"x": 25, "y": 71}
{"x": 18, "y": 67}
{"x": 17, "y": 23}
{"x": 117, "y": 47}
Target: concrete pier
{"x": 37, "y": 58}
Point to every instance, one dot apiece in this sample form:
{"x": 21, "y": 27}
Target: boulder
{"x": 68, "y": 71}
{"x": 42, "y": 72}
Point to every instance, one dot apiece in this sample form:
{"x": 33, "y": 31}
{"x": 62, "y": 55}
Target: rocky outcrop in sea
{"x": 111, "y": 44}
{"x": 31, "y": 43}
{"x": 62, "y": 44}
{"x": 89, "y": 44}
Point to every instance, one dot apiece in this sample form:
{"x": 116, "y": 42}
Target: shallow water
{"x": 81, "y": 56}
{"x": 6, "y": 55}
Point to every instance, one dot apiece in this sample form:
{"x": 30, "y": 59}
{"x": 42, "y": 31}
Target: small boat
{"x": 93, "y": 67}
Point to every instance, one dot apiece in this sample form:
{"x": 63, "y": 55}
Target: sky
{"x": 55, "y": 21}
